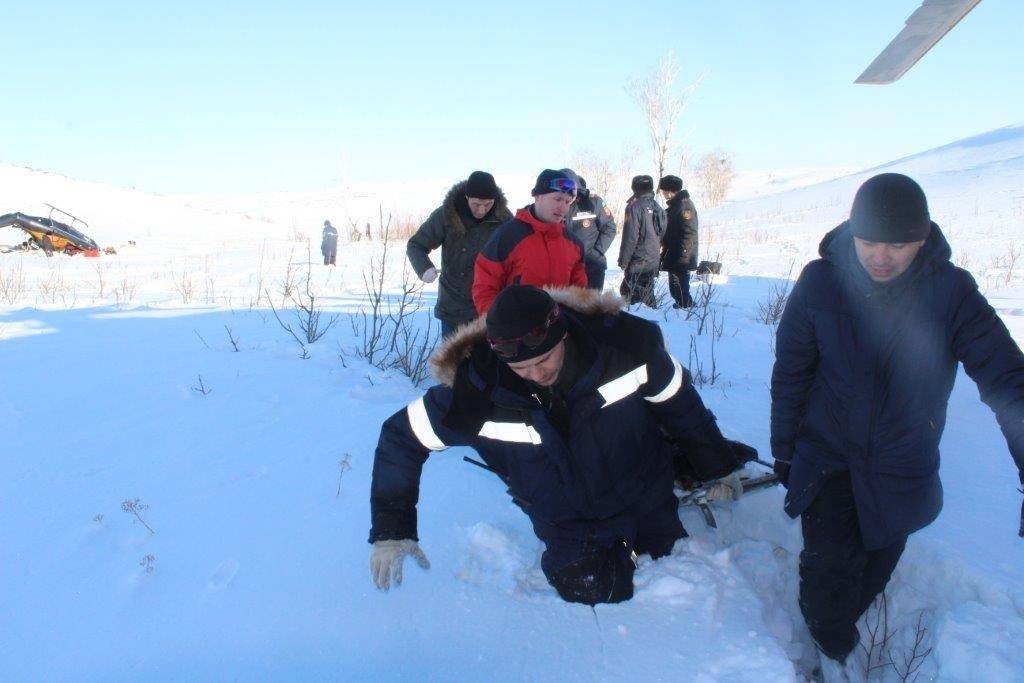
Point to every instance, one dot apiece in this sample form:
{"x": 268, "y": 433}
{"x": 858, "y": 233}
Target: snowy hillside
{"x": 162, "y": 374}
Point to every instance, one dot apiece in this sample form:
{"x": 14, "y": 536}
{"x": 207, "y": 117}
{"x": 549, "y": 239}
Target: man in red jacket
{"x": 532, "y": 248}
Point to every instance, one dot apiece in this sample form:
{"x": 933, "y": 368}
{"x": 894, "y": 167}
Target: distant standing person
{"x": 329, "y": 244}
{"x": 470, "y": 213}
{"x": 679, "y": 246}
{"x": 866, "y": 355}
{"x": 591, "y": 221}
{"x": 640, "y": 250}
{"x": 533, "y": 248}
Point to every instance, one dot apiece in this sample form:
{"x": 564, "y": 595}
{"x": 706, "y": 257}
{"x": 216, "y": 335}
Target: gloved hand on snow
{"x": 387, "y": 557}
{"x": 429, "y": 275}
{"x": 726, "y": 488}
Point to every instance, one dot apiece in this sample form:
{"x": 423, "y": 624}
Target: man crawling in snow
{"x": 569, "y": 400}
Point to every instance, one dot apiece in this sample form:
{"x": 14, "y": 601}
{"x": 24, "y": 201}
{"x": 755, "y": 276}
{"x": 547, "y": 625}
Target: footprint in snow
{"x": 223, "y": 576}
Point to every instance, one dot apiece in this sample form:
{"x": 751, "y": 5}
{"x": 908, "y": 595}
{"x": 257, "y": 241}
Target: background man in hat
{"x": 568, "y": 400}
{"x": 329, "y": 243}
{"x": 866, "y": 355}
{"x": 679, "y": 245}
{"x": 533, "y": 248}
{"x": 470, "y": 213}
{"x": 640, "y": 249}
{"x": 591, "y": 221}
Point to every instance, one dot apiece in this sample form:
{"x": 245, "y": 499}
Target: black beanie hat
{"x": 890, "y": 208}
{"x": 642, "y": 184}
{"x": 481, "y": 186}
{"x": 671, "y": 183}
{"x": 543, "y": 184}
{"x": 517, "y": 312}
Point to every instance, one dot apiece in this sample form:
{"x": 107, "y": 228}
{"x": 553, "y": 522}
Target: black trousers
{"x": 839, "y": 577}
{"x": 600, "y": 569}
{"x": 679, "y": 285}
{"x": 638, "y": 287}
{"x": 595, "y": 274}
{"x": 330, "y": 254}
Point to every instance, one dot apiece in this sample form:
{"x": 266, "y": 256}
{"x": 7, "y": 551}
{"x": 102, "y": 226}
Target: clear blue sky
{"x": 220, "y": 97}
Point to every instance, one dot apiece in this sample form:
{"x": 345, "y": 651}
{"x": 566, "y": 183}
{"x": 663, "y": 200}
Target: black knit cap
{"x": 642, "y": 184}
{"x": 671, "y": 183}
{"x": 543, "y": 184}
{"x": 890, "y": 208}
{"x": 517, "y": 312}
{"x": 481, "y": 185}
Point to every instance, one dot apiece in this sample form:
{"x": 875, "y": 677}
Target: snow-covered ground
{"x": 257, "y": 491}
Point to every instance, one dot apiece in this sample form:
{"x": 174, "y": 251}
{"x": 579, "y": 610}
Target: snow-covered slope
{"x": 257, "y": 491}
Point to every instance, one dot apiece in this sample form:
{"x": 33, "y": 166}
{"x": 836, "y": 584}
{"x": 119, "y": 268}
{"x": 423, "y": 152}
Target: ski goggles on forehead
{"x": 509, "y": 348}
{"x": 566, "y": 185}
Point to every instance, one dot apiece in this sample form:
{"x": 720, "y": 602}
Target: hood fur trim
{"x": 446, "y": 358}
{"x": 451, "y": 214}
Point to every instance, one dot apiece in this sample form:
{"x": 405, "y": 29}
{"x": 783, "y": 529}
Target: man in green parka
{"x": 471, "y": 211}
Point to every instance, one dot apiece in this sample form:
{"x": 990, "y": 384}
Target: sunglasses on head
{"x": 509, "y": 348}
{"x": 566, "y": 185}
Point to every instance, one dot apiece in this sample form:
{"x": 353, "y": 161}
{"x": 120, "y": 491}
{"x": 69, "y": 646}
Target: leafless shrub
{"x": 662, "y": 103}
{"x": 706, "y": 294}
{"x": 148, "y": 564}
{"x": 387, "y": 334}
{"x": 261, "y": 276}
{"x": 209, "y": 282}
{"x": 289, "y": 285}
{"x": 53, "y": 286}
{"x": 101, "y": 279}
{"x": 344, "y": 465}
{"x": 910, "y": 662}
{"x": 354, "y": 234}
{"x": 201, "y": 388}
{"x": 12, "y": 283}
{"x": 405, "y": 227}
{"x": 876, "y": 622}
{"x": 703, "y": 372}
{"x": 232, "y": 338}
{"x": 125, "y": 291}
{"x": 760, "y": 236}
{"x": 1007, "y": 262}
{"x": 607, "y": 177}
{"x": 769, "y": 309}
{"x": 183, "y": 284}
{"x": 136, "y": 508}
{"x": 715, "y": 173}
{"x": 308, "y": 314}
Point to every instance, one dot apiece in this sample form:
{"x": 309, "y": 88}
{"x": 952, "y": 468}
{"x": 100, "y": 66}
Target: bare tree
{"x": 715, "y": 173}
{"x": 662, "y": 103}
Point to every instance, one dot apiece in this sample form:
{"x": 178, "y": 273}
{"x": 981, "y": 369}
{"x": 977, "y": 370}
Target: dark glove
{"x": 781, "y": 468}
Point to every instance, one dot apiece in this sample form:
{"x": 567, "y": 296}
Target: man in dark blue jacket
{"x": 640, "y": 249}
{"x": 866, "y": 355}
{"x": 569, "y": 403}
{"x": 329, "y": 243}
{"x": 679, "y": 245}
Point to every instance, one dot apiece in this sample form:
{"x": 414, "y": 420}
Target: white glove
{"x": 429, "y": 275}
{"x": 726, "y": 488}
{"x": 387, "y": 557}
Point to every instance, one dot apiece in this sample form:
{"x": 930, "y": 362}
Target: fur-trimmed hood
{"x": 446, "y": 358}
{"x": 451, "y": 213}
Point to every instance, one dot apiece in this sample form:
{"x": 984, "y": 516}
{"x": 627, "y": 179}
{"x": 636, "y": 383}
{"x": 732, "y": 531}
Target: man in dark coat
{"x": 568, "y": 400}
{"x": 640, "y": 249}
{"x": 467, "y": 218}
{"x": 592, "y": 223}
{"x": 679, "y": 246}
{"x": 533, "y": 248}
{"x": 329, "y": 244}
{"x": 866, "y": 355}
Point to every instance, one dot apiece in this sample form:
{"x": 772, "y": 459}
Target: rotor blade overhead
{"x": 925, "y": 27}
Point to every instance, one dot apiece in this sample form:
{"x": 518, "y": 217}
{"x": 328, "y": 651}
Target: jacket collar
{"x": 546, "y": 230}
